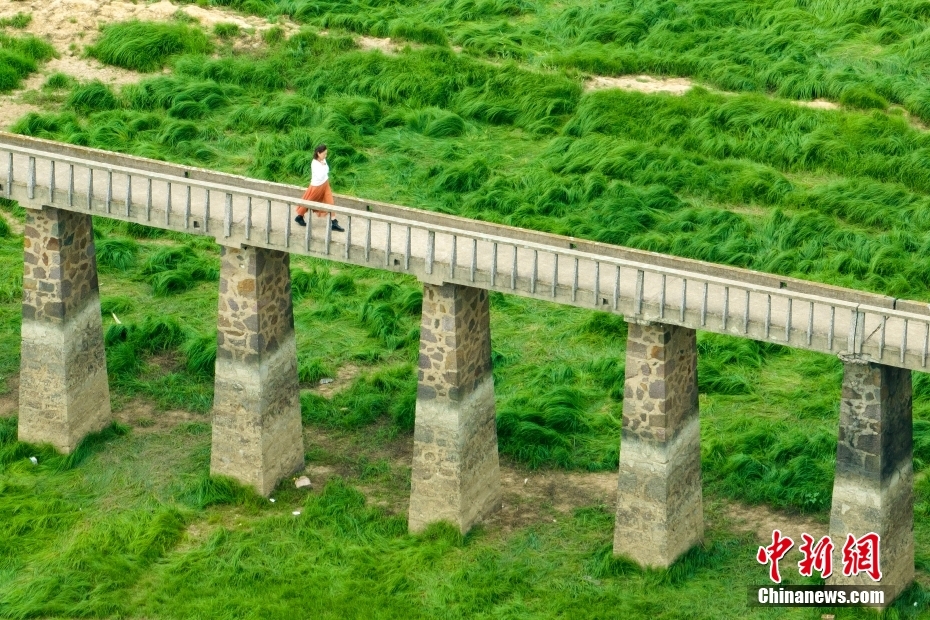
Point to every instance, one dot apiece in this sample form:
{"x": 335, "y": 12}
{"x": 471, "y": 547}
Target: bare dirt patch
{"x": 144, "y": 417}
{"x": 641, "y": 84}
{"x": 818, "y": 104}
{"x": 343, "y": 378}
{"x": 9, "y": 402}
{"x": 386, "y": 46}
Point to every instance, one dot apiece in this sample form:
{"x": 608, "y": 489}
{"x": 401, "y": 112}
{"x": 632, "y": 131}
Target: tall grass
{"x": 146, "y": 46}
{"x": 19, "y": 57}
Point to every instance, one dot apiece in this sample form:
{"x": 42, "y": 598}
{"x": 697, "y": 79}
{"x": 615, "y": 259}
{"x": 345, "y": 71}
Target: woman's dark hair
{"x": 318, "y": 150}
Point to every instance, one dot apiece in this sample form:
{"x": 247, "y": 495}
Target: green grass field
{"x": 504, "y": 131}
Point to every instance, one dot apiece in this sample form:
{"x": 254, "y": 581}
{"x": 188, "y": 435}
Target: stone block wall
{"x": 455, "y": 475}
{"x": 873, "y": 487}
{"x": 659, "y": 502}
{"x": 64, "y": 393}
{"x": 257, "y": 432}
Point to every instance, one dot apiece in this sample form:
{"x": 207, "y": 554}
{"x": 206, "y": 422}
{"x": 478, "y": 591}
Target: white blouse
{"x": 319, "y": 172}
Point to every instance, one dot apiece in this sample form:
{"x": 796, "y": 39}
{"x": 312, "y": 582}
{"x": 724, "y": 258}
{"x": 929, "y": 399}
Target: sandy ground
{"x": 70, "y": 25}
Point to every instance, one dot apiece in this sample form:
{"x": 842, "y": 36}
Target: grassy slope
{"x": 705, "y": 176}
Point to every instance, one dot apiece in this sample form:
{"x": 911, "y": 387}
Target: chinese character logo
{"x": 773, "y": 553}
{"x": 817, "y": 557}
{"x": 861, "y": 556}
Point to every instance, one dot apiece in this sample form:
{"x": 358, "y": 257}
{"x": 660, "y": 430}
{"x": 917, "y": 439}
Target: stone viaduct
{"x": 256, "y": 418}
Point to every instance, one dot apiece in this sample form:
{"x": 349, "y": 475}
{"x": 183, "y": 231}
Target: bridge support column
{"x": 257, "y": 432}
{"x": 455, "y": 474}
{"x": 873, "y": 487}
{"x": 659, "y": 510}
{"x": 63, "y": 394}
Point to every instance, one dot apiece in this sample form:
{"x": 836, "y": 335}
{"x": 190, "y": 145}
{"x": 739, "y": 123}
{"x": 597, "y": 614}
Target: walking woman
{"x": 319, "y": 190}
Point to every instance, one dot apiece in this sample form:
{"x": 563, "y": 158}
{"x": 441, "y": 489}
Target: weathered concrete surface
{"x": 63, "y": 372}
{"x": 873, "y": 487}
{"x": 456, "y": 476}
{"x": 257, "y": 435}
{"x": 659, "y": 510}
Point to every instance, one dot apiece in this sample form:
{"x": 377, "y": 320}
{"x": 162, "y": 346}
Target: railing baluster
{"x": 684, "y": 299}
{"x": 726, "y": 306}
{"x": 70, "y": 184}
{"x": 788, "y": 323}
{"x": 597, "y": 283}
{"x": 662, "y": 299}
{"x": 575, "y": 282}
{"x": 455, "y": 243}
{"x": 430, "y": 251}
{"x": 407, "y": 250}
{"x": 904, "y": 341}
{"x": 535, "y": 269}
{"x": 881, "y": 338}
{"x": 367, "y": 238}
{"x": 555, "y": 275}
{"x": 9, "y": 176}
{"x": 227, "y": 217}
{"x": 206, "y": 213}
{"x": 248, "y": 219}
{"x": 640, "y": 285}
{"x": 387, "y": 247}
{"x": 308, "y": 231}
{"x": 168, "y": 209}
{"x": 109, "y": 190}
{"x": 187, "y": 209}
{"x": 616, "y": 287}
{"x": 329, "y": 233}
{"x": 851, "y": 341}
{"x": 768, "y": 315}
{"x": 268, "y": 221}
{"x": 832, "y": 327}
{"x": 923, "y": 356}
{"x": 287, "y": 227}
{"x": 494, "y": 263}
{"x": 128, "y": 194}
{"x": 746, "y": 314}
{"x": 31, "y": 183}
{"x": 90, "y": 188}
{"x": 513, "y": 270}
{"x": 860, "y": 329}
{"x": 51, "y": 182}
{"x": 148, "y": 201}
{"x": 347, "y": 253}
{"x": 810, "y": 323}
{"x": 704, "y": 305}
{"x": 474, "y": 258}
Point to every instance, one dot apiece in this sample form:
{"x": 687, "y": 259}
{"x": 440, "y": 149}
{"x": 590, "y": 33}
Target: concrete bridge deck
{"x": 441, "y": 248}
{"x": 256, "y": 417}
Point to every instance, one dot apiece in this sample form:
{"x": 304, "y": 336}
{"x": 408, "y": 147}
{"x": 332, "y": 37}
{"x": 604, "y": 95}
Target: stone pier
{"x": 63, "y": 393}
{"x": 659, "y": 512}
{"x": 455, "y": 474}
{"x": 257, "y": 433}
{"x": 873, "y": 487}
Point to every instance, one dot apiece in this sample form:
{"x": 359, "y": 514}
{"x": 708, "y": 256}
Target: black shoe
{"x": 300, "y": 220}
{"x": 335, "y": 226}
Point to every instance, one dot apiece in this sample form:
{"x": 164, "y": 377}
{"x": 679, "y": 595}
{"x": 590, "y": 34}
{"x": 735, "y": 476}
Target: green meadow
{"x": 482, "y": 112}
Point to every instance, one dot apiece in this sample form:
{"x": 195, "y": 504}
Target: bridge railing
{"x": 438, "y": 248}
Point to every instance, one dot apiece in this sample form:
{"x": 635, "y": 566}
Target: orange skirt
{"x": 317, "y": 193}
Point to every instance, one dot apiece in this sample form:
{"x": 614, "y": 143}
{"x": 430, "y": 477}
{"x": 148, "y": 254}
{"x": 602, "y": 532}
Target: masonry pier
{"x": 456, "y": 476}
{"x": 63, "y": 393}
{"x": 257, "y": 432}
{"x": 659, "y": 510}
{"x": 873, "y": 487}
